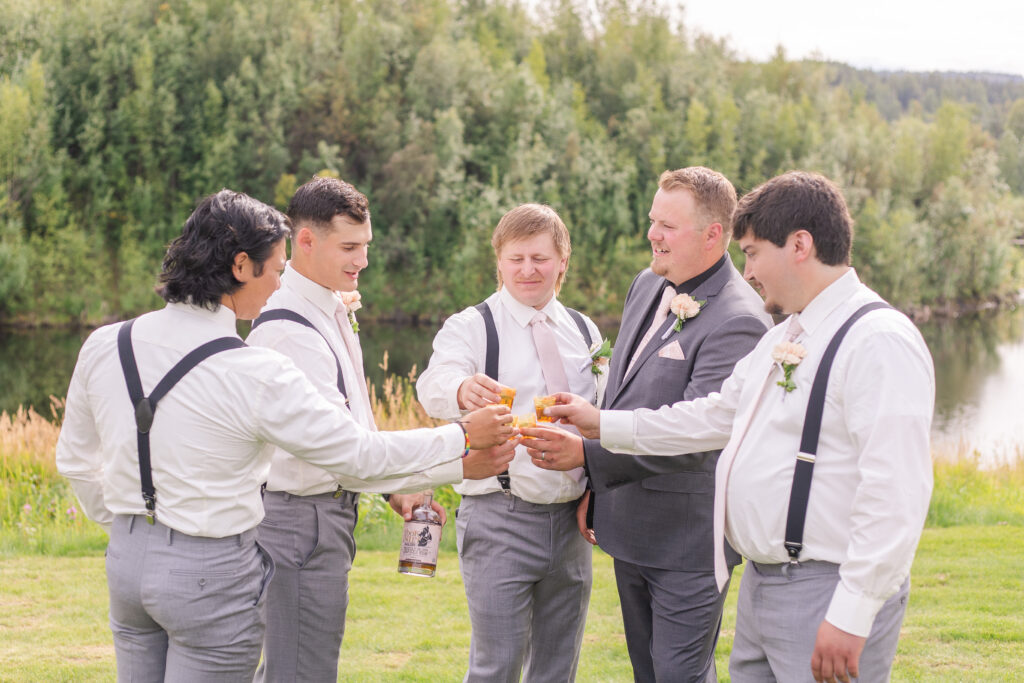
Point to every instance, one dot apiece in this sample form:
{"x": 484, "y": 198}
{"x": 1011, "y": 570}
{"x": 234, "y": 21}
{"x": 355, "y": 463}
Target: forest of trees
{"x": 116, "y": 116}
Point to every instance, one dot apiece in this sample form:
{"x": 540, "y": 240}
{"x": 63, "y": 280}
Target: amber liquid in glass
{"x": 508, "y": 396}
{"x": 539, "y": 404}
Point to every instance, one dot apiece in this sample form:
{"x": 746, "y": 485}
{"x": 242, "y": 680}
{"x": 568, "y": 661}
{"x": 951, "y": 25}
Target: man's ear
{"x": 803, "y": 245}
{"x": 242, "y": 267}
{"x": 713, "y": 237}
{"x": 304, "y": 240}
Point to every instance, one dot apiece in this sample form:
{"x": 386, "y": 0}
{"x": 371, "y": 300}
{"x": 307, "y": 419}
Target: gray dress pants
{"x": 671, "y": 621}
{"x": 777, "y": 620}
{"x": 311, "y": 541}
{"x": 185, "y": 608}
{"x": 527, "y": 574}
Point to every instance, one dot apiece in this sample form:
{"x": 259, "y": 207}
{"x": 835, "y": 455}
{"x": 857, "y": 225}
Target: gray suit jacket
{"x": 657, "y": 511}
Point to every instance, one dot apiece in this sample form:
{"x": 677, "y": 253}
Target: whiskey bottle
{"x": 421, "y": 538}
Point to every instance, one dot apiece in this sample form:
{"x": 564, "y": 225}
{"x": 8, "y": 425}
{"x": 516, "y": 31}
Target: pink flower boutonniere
{"x": 352, "y": 301}
{"x": 788, "y": 355}
{"x": 683, "y": 307}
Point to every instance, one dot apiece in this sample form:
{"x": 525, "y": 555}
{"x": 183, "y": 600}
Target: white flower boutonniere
{"x": 352, "y": 301}
{"x": 683, "y": 307}
{"x": 600, "y": 355}
{"x": 788, "y": 355}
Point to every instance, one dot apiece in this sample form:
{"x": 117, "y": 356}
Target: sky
{"x": 913, "y": 35}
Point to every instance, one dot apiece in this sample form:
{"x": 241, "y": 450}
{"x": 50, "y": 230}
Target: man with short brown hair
{"x": 311, "y": 514}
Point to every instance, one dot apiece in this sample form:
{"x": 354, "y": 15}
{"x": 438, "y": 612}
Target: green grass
{"x": 964, "y": 622}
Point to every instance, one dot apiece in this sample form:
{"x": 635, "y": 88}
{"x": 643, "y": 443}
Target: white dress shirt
{"x": 460, "y": 349}
{"x": 873, "y": 475}
{"x": 307, "y": 350}
{"x": 210, "y": 434}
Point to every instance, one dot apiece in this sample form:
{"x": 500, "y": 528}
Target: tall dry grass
{"x": 38, "y": 510}
{"x": 39, "y": 513}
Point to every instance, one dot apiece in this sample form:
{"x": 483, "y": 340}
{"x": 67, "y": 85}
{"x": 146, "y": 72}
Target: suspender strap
{"x": 491, "y": 368}
{"x": 145, "y": 406}
{"x": 491, "y": 358}
{"x": 287, "y": 314}
{"x": 800, "y": 492}
{"x": 580, "y": 323}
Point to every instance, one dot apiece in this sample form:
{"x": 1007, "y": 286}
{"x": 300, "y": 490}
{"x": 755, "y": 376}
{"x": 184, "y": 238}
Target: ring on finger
{"x": 542, "y": 456}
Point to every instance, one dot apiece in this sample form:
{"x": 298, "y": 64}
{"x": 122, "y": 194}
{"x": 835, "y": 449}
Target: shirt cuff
{"x": 851, "y": 612}
{"x": 454, "y": 441}
{"x": 617, "y": 430}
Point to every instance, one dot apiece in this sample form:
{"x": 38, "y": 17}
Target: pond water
{"x": 979, "y": 365}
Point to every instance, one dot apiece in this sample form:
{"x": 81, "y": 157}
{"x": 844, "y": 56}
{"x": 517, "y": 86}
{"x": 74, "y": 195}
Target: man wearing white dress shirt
{"x": 834, "y": 611}
{"x": 310, "y": 513}
{"x": 184, "y": 569}
{"x": 526, "y": 569}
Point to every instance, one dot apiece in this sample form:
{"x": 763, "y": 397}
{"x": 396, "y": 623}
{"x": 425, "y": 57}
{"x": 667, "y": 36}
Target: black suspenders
{"x": 145, "y": 406}
{"x": 800, "y": 492}
{"x": 287, "y": 314}
{"x": 491, "y": 357}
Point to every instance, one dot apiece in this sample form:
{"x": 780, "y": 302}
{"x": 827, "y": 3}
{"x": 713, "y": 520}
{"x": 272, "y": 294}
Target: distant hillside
{"x": 896, "y": 93}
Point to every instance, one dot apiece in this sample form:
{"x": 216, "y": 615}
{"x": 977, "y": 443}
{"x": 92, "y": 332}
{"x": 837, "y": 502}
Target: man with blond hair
{"x": 526, "y": 570}
{"x": 687, "y": 320}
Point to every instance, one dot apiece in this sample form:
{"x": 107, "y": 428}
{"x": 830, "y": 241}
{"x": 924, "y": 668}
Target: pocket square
{"x": 673, "y": 351}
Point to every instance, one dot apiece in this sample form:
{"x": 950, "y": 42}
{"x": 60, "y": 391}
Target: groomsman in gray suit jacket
{"x": 687, "y": 320}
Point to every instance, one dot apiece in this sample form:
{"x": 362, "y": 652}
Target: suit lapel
{"x": 706, "y": 291}
{"x": 629, "y": 333}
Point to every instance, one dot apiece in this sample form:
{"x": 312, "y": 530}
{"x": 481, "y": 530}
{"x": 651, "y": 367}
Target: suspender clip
{"x": 150, "y": 507}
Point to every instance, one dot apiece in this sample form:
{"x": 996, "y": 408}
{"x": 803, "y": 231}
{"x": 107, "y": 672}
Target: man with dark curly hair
{"x": 185, "y": 572}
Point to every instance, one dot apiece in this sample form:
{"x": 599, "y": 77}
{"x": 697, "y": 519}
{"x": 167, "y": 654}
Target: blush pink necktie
{"x": 659, "y": 319}
{"x": 547, "y": 352}
{"x": 551, "y": 365}
{"x": 727, "y": 457}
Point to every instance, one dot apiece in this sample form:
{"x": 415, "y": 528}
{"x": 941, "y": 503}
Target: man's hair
{"x": 316, "y": 203}
{"x": 527, "y": 220}
{"x": 198, "y": 267}
{"x": 798, "y": 200}
{"x": 712, "y": 192}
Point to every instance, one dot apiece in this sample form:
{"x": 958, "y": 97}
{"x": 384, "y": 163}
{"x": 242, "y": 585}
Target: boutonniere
{"x": 683, "y": 307}
{"x": 600, "y": 354}
{"x": 352, "y": 301}
{"x": 788, "y": 355}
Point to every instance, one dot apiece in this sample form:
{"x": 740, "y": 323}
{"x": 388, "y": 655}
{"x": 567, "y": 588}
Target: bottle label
{"x": 420, "y": 542}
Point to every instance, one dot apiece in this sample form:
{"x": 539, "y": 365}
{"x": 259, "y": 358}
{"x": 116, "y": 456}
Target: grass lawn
{"x": 965, "y": 621}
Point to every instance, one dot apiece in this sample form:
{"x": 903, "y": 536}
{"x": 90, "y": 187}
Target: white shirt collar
{"x": 318, "y": 295}
{"x": 223, "y": 317}
{"x": 827, "y": 301}
{"x": 522, "y": 313}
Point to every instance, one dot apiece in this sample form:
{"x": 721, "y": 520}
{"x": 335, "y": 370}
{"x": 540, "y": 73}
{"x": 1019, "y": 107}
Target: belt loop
{"x": 131, "y": 523}
{"x": 170, "y": 536}
{"x": 511, "y": 502}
